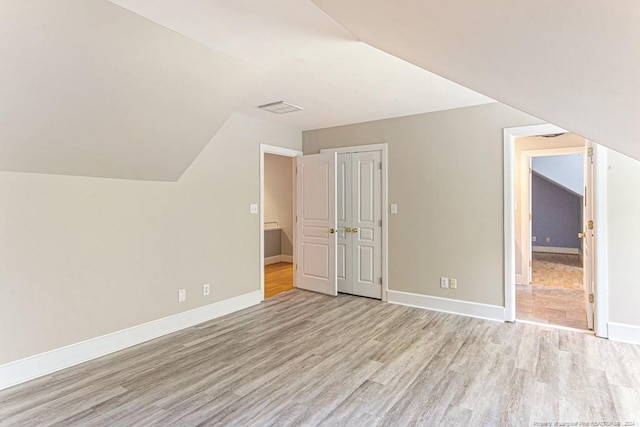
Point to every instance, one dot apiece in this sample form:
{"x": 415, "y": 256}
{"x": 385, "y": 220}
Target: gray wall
{"x": 446, "y": 175}
{"x": 624, "y": 238}
{"x": 83, "y": 257}
{"x": 278, "y": 198}
{"x": 557, "y": 214}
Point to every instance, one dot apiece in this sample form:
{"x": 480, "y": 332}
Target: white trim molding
{"x": 278, "y": 258}
{"x": 19, "y": 371}
{"x": 447, "y": 305}
{"x": 624, "y": 333}
{"x": 556, "y": 250}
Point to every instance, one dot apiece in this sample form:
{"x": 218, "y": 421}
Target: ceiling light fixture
{"x": 280, "y": 107}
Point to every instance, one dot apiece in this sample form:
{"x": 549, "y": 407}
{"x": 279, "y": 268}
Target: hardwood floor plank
{"x": 302, "y": 358}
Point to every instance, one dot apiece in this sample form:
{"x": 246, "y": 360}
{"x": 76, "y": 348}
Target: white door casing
{"x": 316, "y": 223}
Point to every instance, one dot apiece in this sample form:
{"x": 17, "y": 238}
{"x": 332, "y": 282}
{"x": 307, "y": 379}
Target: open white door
{"x": 316, "y": 223}
{"x": 588, "y": 235}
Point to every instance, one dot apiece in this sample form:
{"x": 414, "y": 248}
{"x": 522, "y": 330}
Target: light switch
{"x": 394, "y": 208}
{"x": 253, "y": 208}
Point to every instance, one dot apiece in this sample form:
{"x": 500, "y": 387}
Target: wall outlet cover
{"x": 444, "y": 282}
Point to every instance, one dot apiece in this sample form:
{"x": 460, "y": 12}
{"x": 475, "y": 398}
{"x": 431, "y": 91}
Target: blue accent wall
{"x": 557, "y": 213}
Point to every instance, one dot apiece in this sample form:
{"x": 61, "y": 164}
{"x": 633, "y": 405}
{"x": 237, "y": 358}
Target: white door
{"x": 366, "y": 224}
{"x": 316, "y": 223}
{"x": 360, "y": 224}
{"x": 588, "y": 264}
{"x": 345, "y": 252}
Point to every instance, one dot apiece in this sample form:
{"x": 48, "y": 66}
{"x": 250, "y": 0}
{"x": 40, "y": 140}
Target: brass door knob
{"x": 331, "y": 231}
{"x": 348, "y": 229}
{"x": 355, "y": 230}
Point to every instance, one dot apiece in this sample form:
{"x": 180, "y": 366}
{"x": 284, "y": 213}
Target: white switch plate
{"x": 394, "y": 208}
{"x": 533, "y": 238}
{"x": 182, "y": 295}
{"x": 206, "y": 289}
{"x": 253, "y": 208}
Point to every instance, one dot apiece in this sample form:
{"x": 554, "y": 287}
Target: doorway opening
{"x": 552, "y": 287}
{"x": 277, "y": 219}
{"x": 530, "y": 263}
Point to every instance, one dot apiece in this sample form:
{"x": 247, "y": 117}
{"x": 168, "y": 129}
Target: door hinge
{"x": 381, "y": 280}
{"x": 380, "y": 223}
{"x": 590, "y": 225}
{"x": 530, "y": 217}
{"x": 590, "y": 151}
{"x": 592, "y": 298}
{"x": 380, "y": 165}
{"x": 530, "y": 263}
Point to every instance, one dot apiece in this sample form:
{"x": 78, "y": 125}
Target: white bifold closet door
{"x": 359, "y": 220}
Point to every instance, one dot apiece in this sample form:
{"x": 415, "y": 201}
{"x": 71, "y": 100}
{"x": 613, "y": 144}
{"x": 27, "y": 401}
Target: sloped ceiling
{"x": 308, "y": 60}
{"x": 89, "y": 88}
{"x": 573, "y": 63}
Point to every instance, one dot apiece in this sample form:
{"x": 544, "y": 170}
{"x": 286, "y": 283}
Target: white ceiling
{"x": 308, "y": 60}
{"x": 573, "y": 63}
{"x": 88, "y": 88}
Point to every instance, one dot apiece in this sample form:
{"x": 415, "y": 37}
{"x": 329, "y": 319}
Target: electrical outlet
{"x": 548, "y": 239}
{"x": 182, "y": 295}
{"x": 205, "y": 289}
{"x": 453, "y": 283}
{"x": 253, "y": 208}
{"x": 533, "y": 238}
{"x": 444, "y": 282}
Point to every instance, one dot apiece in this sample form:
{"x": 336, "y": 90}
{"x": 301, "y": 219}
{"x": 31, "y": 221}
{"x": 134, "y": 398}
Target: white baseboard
{"x": 555, "y": 250}
{"x": 278, "y": 258}
{"x": 464, "y": 308}
{"x": 623, "y": 332}
{"x": 23, "y": 370}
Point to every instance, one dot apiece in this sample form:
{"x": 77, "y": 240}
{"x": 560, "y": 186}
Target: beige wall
{"x": 278, "y": 197}
{"x": 623, "y": 212}
{"x": 82, "y": 257}
{"x": 446, "y": 175}
{"x": 533, "y": 143}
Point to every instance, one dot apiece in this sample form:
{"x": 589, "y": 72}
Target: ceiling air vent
{"x": 280, "y": 107}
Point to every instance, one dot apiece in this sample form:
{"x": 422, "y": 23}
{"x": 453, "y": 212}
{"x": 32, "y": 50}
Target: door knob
{"x": 331, "y": 231}
{"x": 581, "y": 235}
{"x": 355, "y": 230}
{"x": 348, "y": 229}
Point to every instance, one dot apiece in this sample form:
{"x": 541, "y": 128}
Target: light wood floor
{"x": 278, "y": 278}
{"x": 557, "y": 271}
{"x": 307, "y": 359}
{"x": 556, "y": 295}
{"x": 564, "y": 307}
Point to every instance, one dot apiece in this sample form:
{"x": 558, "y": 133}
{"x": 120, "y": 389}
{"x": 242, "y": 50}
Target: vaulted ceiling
{"x": 88, "y": 88}
{"x": 136, "y": 88}
{"x": 573, "y": 63}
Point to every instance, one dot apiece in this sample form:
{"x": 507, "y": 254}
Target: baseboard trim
{"x": 278, "y": 258}
{"x": 624, "y": 332}
{"x": 447, "y": 305}
{"x": 555, "y": 250}
{"x": 29, "y": 368}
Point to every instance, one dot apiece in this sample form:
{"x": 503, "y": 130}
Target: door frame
{"x": 383, "y": 148}
{"x": 285, "y": 152}
{"x": 601, "y": 306}
{"x": 525, "y": 195}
